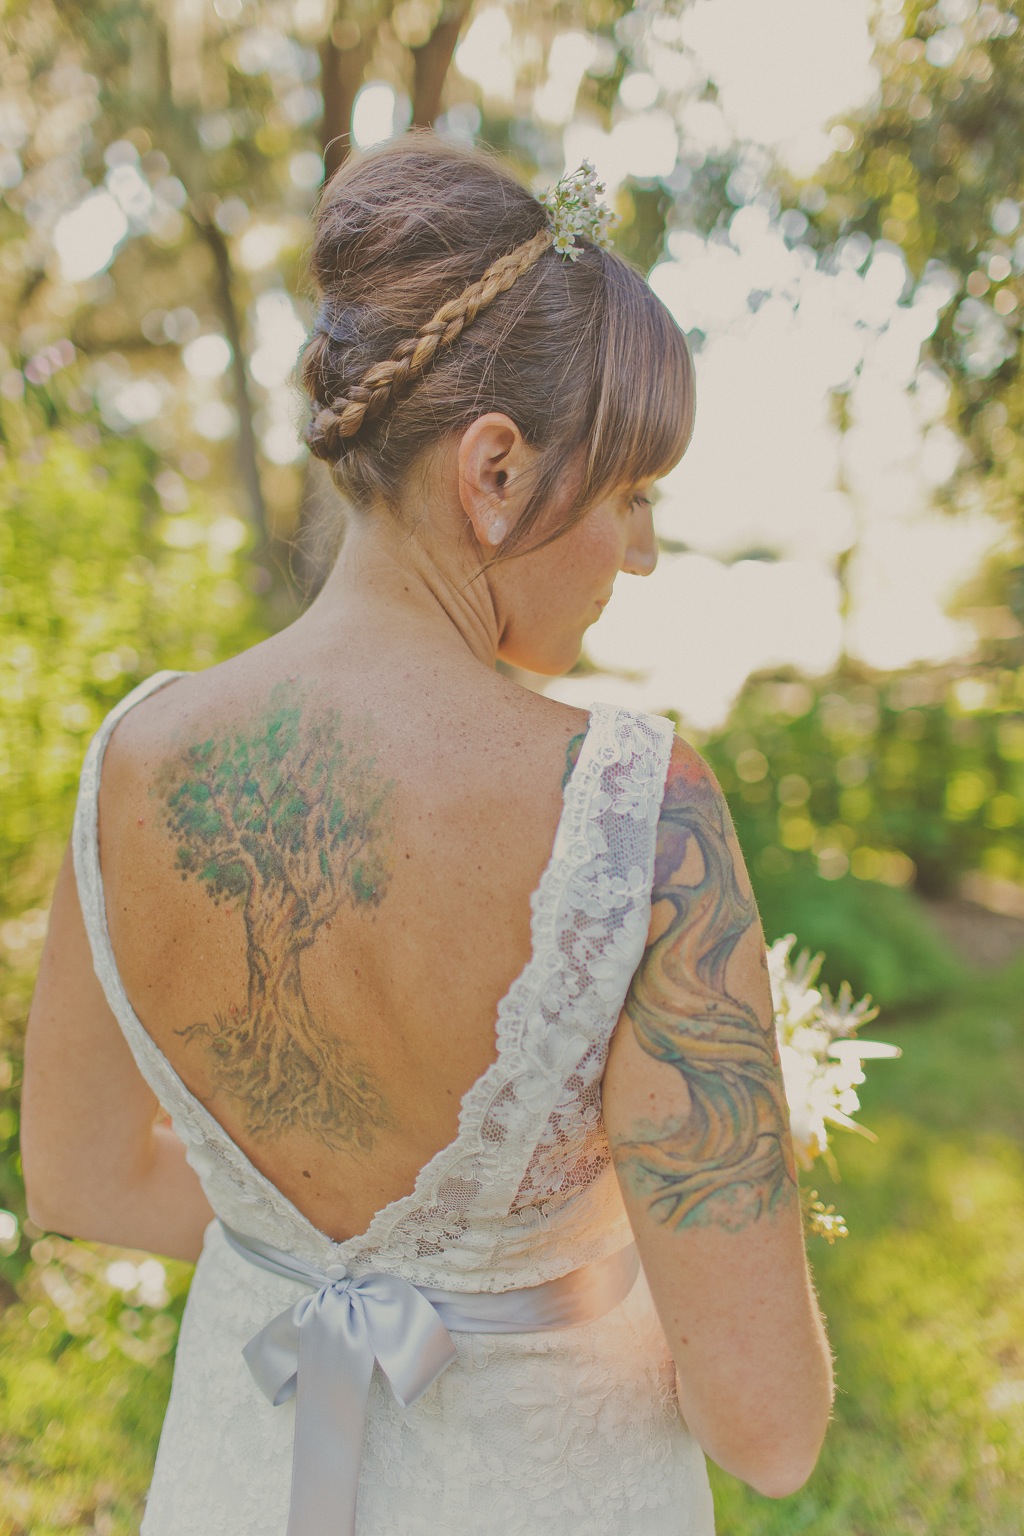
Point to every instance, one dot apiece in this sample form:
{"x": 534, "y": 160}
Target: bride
{"x": 455, "y": 996}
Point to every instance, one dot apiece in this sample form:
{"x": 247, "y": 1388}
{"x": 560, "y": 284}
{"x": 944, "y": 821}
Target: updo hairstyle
{"x": 441, "y": 298}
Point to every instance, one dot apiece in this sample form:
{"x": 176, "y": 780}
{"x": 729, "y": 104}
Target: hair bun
{"x": 441, "y": 297}
{"x": 341, "y": 325}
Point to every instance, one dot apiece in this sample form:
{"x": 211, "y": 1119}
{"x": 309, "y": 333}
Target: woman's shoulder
{"x": 174, "y": 702}
{"x": 168, "y": 710}
{"x": 494, "y": 739}
{"x": 553, "y": 716}
{"x": 457, "y": 748}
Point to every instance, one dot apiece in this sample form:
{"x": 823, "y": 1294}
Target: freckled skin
{"x": 548, "y": 598}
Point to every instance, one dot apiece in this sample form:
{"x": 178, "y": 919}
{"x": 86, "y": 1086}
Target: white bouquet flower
{"x": 821, "y": 1065}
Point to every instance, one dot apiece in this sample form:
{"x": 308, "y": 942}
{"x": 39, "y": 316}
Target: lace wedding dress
{"x": 570, "y": 1432}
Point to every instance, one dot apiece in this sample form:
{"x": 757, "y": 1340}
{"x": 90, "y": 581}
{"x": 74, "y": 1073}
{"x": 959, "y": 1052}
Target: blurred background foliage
{"x": 855, "y": 797}
{"x": 158, "y": 163}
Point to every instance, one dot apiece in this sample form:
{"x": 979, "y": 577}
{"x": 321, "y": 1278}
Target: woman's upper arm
{"x": 696, "y": 1115}
{"x": 87, "y": 1111}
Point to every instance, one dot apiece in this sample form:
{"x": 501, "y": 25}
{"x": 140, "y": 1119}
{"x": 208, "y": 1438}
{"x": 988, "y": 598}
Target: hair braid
{"x": 382, "y": 381}
{"x": 586, "y": 361}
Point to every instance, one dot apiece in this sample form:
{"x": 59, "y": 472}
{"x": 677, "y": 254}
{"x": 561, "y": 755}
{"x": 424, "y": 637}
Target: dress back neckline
{"x": 87, "y": 860}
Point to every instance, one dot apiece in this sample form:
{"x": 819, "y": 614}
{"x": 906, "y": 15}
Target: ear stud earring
{"x": 497, "y": 531}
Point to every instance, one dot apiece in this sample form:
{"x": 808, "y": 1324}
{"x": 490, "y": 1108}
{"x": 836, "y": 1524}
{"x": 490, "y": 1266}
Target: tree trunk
{"x": 248, "y": 463}
{"x": 278, "y": 1061}
{"x": 431, "y": 62}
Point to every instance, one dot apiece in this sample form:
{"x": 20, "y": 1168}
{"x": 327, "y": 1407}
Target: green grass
{"x": 925, "y": 1303}
{"x": 925, "y": 1299}
{"x": 77, "y": 1435}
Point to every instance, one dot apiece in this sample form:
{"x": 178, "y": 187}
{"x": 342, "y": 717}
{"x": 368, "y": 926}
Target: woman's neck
{"x": 388, "y": 576}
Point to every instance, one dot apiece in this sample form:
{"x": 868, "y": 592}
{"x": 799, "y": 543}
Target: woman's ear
{"x": 492, "y": 456}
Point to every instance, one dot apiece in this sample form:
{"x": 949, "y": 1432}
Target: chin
{"x": 549, "y": 661}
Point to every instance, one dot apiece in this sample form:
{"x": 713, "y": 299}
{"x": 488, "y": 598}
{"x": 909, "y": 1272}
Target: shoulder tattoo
{"x": 572, "y": 753}
{"x": 729, "y": 1157}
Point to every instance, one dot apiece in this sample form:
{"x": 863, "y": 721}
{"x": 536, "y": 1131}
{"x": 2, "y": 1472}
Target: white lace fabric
{"x": 577, "y": 1430}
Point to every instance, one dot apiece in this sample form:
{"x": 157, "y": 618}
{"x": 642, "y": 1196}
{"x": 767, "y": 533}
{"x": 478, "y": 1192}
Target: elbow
{"x": 66, "y": 1190}
{"x": 37, "y": 1175}
{"x": 35, "y": 1200}
{"x": 783, "y": 1468}
{"x": 784, "y": 1478}
{"x": 64, "y": 1223}
{"x": 39, "y": 1214}
{"x": 47, "y": 1210}
{"x": 774, "y": 1457}
{"x": 775, "y": 1473}
{"x": 42, "y": 1213}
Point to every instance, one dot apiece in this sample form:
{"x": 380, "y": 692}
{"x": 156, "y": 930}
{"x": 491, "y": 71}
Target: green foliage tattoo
{"x": 572, "y": 753}
{"x": 729, "y": 1157}
{"x": 288, "y": 824}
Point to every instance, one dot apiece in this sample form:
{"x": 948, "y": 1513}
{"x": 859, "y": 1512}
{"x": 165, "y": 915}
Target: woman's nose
{"x": 642, "y": 551}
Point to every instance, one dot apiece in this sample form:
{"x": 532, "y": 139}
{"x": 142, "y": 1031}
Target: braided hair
{"x": 381, "y": 381}
{"x": 588, "y": 362}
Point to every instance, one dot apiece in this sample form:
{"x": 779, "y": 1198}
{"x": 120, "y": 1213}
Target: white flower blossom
{"x": 821, "y": 1061}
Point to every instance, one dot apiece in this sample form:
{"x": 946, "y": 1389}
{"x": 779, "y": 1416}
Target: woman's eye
{"x": 640, "y": 501}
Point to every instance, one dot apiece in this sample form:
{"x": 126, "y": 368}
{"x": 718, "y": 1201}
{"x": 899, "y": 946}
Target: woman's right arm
{"x": 696, "y": 1115}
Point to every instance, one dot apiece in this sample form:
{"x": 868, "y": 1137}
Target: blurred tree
{"x": 912, "y": 780}
{"x": 157, "y": 174}
{"x": 936, "y": 168}
{"x": 113, "y": 567}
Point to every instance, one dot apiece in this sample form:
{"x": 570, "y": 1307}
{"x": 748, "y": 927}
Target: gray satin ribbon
{"x": 322, "y": 1350}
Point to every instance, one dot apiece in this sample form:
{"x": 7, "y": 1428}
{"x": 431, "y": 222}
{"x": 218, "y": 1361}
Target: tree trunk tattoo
{"x": 729, "y": 1157}
{"x": 287, "y": 823}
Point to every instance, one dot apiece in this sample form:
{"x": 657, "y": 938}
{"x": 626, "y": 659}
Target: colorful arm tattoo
{"x": 572, "y": 752}
{"x": 729, "y": 1157}
{"x": 289, "y": 825}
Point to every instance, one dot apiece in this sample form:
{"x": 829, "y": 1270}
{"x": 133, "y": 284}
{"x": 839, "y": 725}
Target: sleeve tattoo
{"x": 728, "y": 1158}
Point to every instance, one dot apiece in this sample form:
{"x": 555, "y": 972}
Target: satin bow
{"x": 330, "y": 1341}
{"x": 321, "y": 1351}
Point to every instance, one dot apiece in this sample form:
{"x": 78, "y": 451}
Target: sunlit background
{"x": 774, "y": 488}
{"x": 827, "y": 195}
{"x": 769, "y": 470}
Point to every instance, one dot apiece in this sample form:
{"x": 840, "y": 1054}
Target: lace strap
{"x": 597, "y": 916}
{"x": 85, "y": 847}
{"x": 605, "y": 908}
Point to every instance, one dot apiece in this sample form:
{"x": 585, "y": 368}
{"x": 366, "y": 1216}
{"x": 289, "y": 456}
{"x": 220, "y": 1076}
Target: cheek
{"x": 550, "y": 598}
{"x": 596, "y": 554}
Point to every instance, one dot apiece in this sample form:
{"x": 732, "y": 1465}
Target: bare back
{"x": 318, "y": 889}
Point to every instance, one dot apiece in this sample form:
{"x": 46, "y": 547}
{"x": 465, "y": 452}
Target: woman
{"x": 330, "y": 864}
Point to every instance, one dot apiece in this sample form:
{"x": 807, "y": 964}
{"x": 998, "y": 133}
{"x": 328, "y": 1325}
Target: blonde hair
{"x": 581, "y": 355}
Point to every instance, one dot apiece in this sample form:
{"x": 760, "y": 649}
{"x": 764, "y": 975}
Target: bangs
{"x": 645, "y": 394}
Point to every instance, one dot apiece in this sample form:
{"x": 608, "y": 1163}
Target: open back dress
{"x": 573, "y": 1431}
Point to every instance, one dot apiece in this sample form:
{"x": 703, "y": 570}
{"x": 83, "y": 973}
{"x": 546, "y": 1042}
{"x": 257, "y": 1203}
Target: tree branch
{"x": 233, "y": 845}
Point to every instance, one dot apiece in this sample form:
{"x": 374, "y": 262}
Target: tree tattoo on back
{"x": 729, "y": 1158}
{"x": 289, "y": 824}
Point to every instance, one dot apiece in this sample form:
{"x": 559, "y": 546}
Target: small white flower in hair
{"x": 573, "y": 209}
